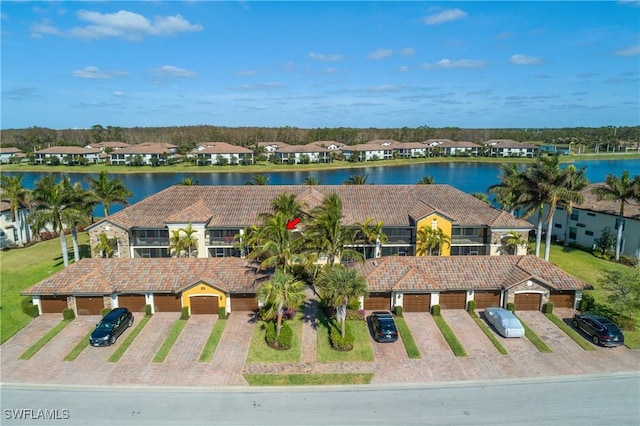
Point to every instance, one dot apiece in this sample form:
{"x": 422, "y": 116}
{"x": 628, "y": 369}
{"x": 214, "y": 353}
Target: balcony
{"x": 150, "y": 241}
{"x": 465, "y": 240}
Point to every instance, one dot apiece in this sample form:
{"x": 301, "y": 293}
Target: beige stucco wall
{"x": 111, "y": 232}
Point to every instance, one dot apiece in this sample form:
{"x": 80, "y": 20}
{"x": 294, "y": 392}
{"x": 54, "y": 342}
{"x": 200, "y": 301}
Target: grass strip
{"x": 571, "y": 332}
{"x": 407, "y": 339}
{"x": 115, "y": 357}
{"x": 534, "y": 339}
{"x": 213, "y": 340}
{"x": 171, "y": 339}
{"x": 487, "y": 331}
{"x": 77, "y": 349}
{"x": 362, "y": 350}
{"x": 449, "y": 336}
{"x": 308, "y": 379}
{"x": 44, "y": 340}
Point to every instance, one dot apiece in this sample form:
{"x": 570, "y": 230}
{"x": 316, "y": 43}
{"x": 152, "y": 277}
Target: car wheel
{"x": 596, "y": 340}
{"x": 574, "y": 323}
{"x": 113, "y": 339}
{"x": 130, "y": 322}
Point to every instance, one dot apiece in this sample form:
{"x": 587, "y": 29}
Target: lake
{"x": 468, "y": 177}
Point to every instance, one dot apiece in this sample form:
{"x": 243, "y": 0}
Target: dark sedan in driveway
{"x": 383, "y": 327}
{"x": 602, "y": 331}
{"x": 111, "y": 327}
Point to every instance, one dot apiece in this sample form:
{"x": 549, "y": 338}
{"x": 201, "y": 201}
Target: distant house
{"x": 303, "y": 154}
{"x": 209, "y": 153}
{"x": 510, "y": 148}
{"x": 147, "y": 153}
{"x": 271, "y": 147}
{"x": 65, "y": 153}
{"x": 6, "y": 154}
{"x": 13, "y": 233}
{"x": 449, "y": 148}
{"x": 381, "y": 149}
{"x": 330, "y": 145}
{"x": 411, "y": 150}
{"x": 113, "y": 145}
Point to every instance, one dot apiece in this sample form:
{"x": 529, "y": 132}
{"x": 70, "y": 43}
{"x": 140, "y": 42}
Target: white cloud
{"x": 446, "y": 15}
{"x": 407, "y": 51}
{"x": 403, "y": 68}
{"x": 129, "y": 25}
{"x": 44, "y": 28}
{"x": 92, "y": 72}
{"x": 381, "y": 54}
{"x": 246, "y": 73}
{"x": 460, "y": 63}
{"x": 629, "y": 51}
{"x": 331, "y": 70}
{"x": 519, "y": 59}
{"x": 260, "y": 86}
{"x": 173, "y": 71}
{"x": 324, "y": 58}
{"x": 118, "y": 94}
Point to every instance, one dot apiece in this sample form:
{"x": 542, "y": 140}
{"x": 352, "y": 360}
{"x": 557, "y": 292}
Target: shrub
{"x": 398, "y": 310}
{"x": 628, "y": 260}
{"x": 624, "y": 322}
{"x": 354, "y": 304}
{"x": 185, "y": 313}
{"x": 435, "y": 310}
{"x": 288, "y": 314}
{"x": 340, "y": 343}
{"x": 547, "y": 308}
{"x": 270, "y": 335}
{"x": 357, "y": 315}
{"x": 105, "y": 311}
{"x": 587, "y": 303}
{"x": 511, "y": 307}
{"x": 29, "y": 308}
{"x": 68, "y": 314}
{"x": 222, "y": 312}
{"x": 147, "y": 310}
{"x": 471, "y": 306}
{"x": 284, "y": 339}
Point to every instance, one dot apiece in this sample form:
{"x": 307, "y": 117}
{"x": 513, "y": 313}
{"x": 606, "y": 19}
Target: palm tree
{"x": 56, "y": 205}
{"x": 17, "y": 195}
{"x": 310, "y": 180}
{"x": 338, "y": 285}
{"x": 288, "y": 205}
{"x": 84, "y": 200}
{"x": 360, "y": 179}
{"x": 429, "y": 239}
{"x": 188, "y": 181}
{"x": 514, "y": 240}
{"x": 280, "y": 292}
{"x": 188, "y": 241}
{"x": 259, "y": 180}
{"x": 109, "y": 191}
{"x": 326, "y": 234}
{"x": 274, "y": 245}
{"x": 619, "y": 189}
{"x": 426, "y": 180}
{"x": 370, "y": 233}
{"x": 480, "y": 196}
{"x": 576, "y": 181}
{"x": 175, "y": 243}
{"x": 509, "y": 189}
{"x": 104, "y": 246}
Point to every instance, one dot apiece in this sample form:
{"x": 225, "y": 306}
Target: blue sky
{"x": 320, "y": 64}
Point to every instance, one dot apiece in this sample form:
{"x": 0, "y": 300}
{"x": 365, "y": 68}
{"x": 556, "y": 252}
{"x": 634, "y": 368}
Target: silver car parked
{"x": 504, "y": 321}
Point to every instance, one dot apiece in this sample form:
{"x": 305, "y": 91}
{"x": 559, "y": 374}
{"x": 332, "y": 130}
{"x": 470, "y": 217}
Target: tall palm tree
{"x": 426, "y": 180}
{"x": 175, "y": 243}
{"x": 429, "y": 239}
{"x": 509, "y": 189}
{"x": 360, "y": 179}
{"x": 280, "y": 292}
{"x": 259, "y": 180}
{"x": 338, "y": 285}
{"x": 276, "y": 246}
{"x": 188, "y": 241}
{"x": 576, "y": 181}
{"x": 620, "y": 189}
{"x": 104, "y": 246}
{"x": 514, "y": 240}
{"x": 56, "y": 205}
{"x": 325, "y": 233}
{"x": 17, "y": 195}
{"x": 83, "y": 200}
{"x": 109, "y": 191}
{"x": 370, "y": 232}
{"x": 288, "y": 205}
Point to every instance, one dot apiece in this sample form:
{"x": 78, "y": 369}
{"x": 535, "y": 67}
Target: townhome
{"x": 218, "y": 214}
{"x": 584, "y": 225}
{"x": 411, "y": 149}
{"x": 221, "y": 153}
{"x": 13, "y": 232}
{"x": 9, "y": 153}
{"x": 510, "y": 148}
{"x": 108, "y": 145}
{"x": 63, "y": 154}
{"x": 330, "y": 145}
{"x": 146, "y": 153}
{"x": 381, "y": 149}
{"x": 271, "y": 147}
{"x": 449, "y": 148}
{"x": 303, "y": 154}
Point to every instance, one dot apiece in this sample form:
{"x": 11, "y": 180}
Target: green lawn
{"x": 115, "y": 357}
{"x": 212, "y": 342}
{"x": 21, "y": 268}
{"x": 170, "y": 340}
{"x": 362, "y": 350}
{"x": 407, "y": 339}
{"x": 259, "y": 351}
{"x": 449, "y": 336}
{"x": 308, "y": 379}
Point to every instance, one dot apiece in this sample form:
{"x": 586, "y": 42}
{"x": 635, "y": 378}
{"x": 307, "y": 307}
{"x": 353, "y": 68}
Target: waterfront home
{"x": 221, "y": 153}
{"x": 450, "y": 148}
{"x": 148, "y": 153}
{"x": 302, "y": 154}
{"x": 411, "y": 149}
{"x": 13, "y": 232}
{"x": 330, "y": 145}
{"x": 7, "y": 154}
{"x": 66, "y": 154}
{"x": 108, "y": 145}
{"x": 218, "y": 214}
{"x": 510, "y": 148}
{"x": 380, "y": 149}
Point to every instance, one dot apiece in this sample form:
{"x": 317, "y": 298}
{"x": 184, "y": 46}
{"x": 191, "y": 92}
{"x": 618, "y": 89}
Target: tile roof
{"x": 109, "y": 144}
{"x": 158, "y": 275}
{"x": 222, "y": 148}
{"x": 328, "y": 143}
{"x": 303, "y": 148}
{"x": 10, "y": 150}
{"x": 146, "y": 148}
{"x": 241, "y": 205}
{"x": 438, "y": 273}
{"x": 631, "y": 209}
{"x": 68, "y": 150}
{"x": 508, "y": 143}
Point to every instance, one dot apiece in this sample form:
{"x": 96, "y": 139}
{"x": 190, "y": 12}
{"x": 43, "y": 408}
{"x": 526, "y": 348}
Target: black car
{"x": 111, "y": 327}
{"x": 602, "y": 330}
{"x": 383, "y": 327}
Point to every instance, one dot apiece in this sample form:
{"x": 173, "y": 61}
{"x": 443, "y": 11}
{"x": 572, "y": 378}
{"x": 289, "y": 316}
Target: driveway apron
{"x": 228, "y": 360}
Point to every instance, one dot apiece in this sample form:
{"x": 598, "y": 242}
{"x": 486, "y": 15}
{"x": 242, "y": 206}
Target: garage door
{"x": 204, "y": 305}
{"x": 453, "y": 300}
{"x": 53, "y": 304}
{"x": 377, "y": 302}
{"x": 89, "y": 305}
{"x": 416, "y": 302}
{"x": 133, "y": 302}
{"x": 561, "y": 299}
{"x": 528, "y": 301}
{"x": 243, "y": 302}
{"x": 166, "y": 303}
{"x": 486, "y": 299}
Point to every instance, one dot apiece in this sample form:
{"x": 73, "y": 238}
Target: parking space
{"x": 194, "y": 336}
{"x": 67, "y": 339}
{"x": 388, "y": 355}
{"x": 427, "y": 336}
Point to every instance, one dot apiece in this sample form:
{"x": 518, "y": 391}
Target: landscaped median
{"x": 407, "y": 339}
{"x": 170, "y": 340}
{"x": 77, "y": 349}
{"x": 534, "y": 339}
{"x": 571, "y": 332}
{"x": 447, "y": 333}
{"x": 212, "y": 342}
{"x": 487, "y": 331}
{"x": 308, "y": 379}
{"x": 115, "y": 357}
{"x": 260, "y": 351}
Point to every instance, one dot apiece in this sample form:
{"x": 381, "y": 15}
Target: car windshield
{"x": 386, "y": 325}
{"x": 105, "y": 325}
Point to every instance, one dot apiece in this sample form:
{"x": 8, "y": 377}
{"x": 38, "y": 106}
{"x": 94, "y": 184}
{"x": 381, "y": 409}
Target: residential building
{"x": 510, "y": 148}
{"x": 303, "y": 154}
{"x": 381, "y": 149}
{"x": 218, "y": 213}
{"x": 222, "y": 153}
{"x": 63, "y": 154}
{"x": 449, "y": 148}
{"x": 411, "y": 149}
{"x": 7, "y": 153}
{"x": 109, "y": 145}
{"x": 146, "y": 153}
{"x": 330, "y": 145}
{"x": 13, "y": 232}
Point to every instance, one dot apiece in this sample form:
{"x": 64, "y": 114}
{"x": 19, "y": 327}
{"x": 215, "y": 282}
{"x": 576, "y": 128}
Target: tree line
{"x": 187, "y": 137}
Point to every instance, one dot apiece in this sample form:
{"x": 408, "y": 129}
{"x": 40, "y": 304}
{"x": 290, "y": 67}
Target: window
{"x": 434, "y": 224}
{"x": 573, "y": 231}
{"x": 575, "y": 214}
{"x": 588, "y": 233}
{"x": 557, "y": 225}
{"x": 591, "y": 214}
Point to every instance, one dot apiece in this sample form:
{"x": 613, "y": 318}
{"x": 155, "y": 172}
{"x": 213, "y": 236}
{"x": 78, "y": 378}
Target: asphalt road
{"x": 594, "y": 400}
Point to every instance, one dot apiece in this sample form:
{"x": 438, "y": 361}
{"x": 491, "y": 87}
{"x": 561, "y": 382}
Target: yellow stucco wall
{"x": 202, "y": 289}
{"x": 443, "y": 224}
